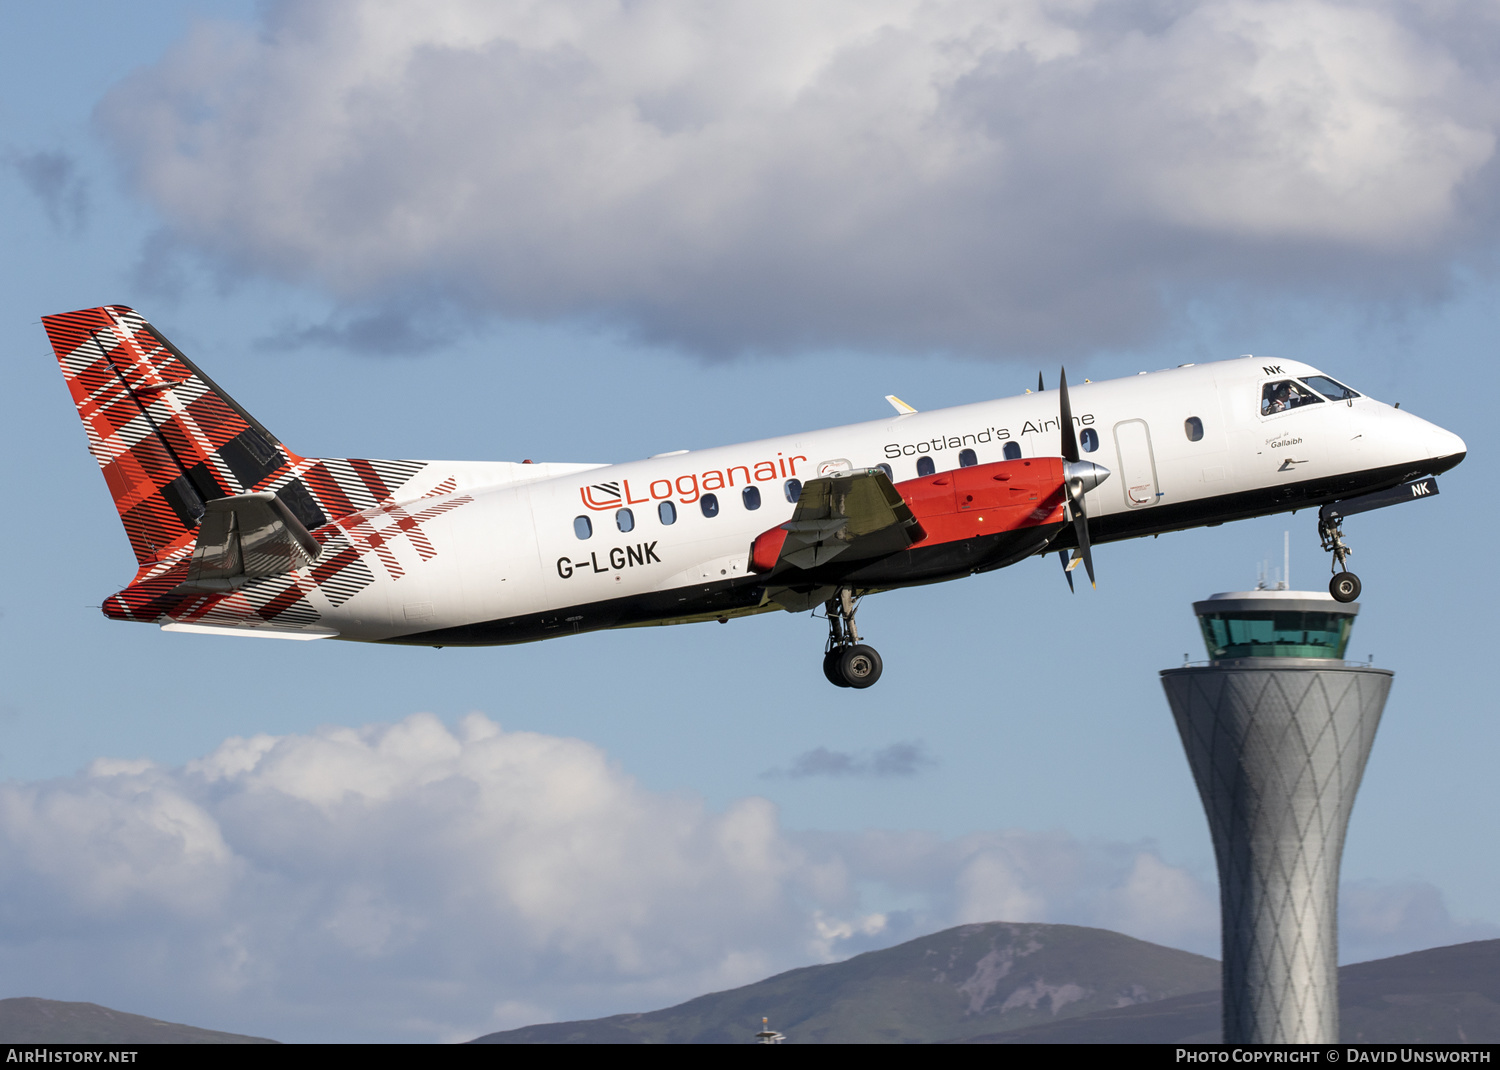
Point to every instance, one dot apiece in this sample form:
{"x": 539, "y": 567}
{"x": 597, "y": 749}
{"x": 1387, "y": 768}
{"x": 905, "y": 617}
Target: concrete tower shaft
{"x": 1277, "y": 754}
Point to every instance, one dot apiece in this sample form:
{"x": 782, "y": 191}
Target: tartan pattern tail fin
{"x": 166, "y": 437}
{"x": 169, "y": 440}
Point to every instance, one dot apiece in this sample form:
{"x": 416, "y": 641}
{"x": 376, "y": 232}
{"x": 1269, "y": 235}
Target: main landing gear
{"x": 846, "y": 661}
{"x": 1344, "y": 586}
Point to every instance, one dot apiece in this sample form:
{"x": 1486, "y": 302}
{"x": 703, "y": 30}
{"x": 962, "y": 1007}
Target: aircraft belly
{"x": 724, "y": 598}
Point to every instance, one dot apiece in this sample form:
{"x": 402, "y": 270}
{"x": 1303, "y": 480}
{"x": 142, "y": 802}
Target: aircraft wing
{"x": 851, "y": 516}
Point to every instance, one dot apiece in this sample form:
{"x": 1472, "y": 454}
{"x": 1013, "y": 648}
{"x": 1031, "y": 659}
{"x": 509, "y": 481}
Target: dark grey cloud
{"x": 897, "y": 760}
{"x": 1033, "y": 177}
{"x": 54, "y": 178}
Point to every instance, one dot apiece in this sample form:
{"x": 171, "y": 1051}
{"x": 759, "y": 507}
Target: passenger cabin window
{"x": 967, "y": 458}
{"x": 1088, "y": 439}
{"x": 624, "y": 520}
{"x": 709, "y": 503}
{"x": 751, "y": 496}
{"x": 887, "y": 470}
{"x": 583, "y": 527}
{"x": 666, "y": 512}
{"x": 1330, "y": 388}
{"x": 1193, "y": 427}
{"x": 1286, "y": 394}
{"x": 793, "y": 488}
{"x": 1013, "y": 451}
{"x": 925, "y": 467}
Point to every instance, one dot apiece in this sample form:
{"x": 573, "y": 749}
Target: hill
{"x": 1049, "y": 984}
{"x": 1444, "y": 995}
{"x": 29, "y": 1020}
{"x": 952, "y": 985}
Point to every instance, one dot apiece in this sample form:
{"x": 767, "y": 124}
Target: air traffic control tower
{"x": 1277, "y": 728}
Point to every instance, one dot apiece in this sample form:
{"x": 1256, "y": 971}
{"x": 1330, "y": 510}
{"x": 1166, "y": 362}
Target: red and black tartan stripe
{"x": 168, "y": 440}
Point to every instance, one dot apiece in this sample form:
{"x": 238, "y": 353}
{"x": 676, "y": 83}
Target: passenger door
{"x": 1137, "y": 464}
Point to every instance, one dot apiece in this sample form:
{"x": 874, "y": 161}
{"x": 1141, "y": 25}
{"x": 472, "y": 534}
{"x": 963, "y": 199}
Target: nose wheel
{"x": 1345, "y": 585}
{"x": 846, "y": 661}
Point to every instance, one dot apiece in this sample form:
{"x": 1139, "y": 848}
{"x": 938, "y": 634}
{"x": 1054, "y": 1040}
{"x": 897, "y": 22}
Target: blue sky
{"x": 765, "y": 274}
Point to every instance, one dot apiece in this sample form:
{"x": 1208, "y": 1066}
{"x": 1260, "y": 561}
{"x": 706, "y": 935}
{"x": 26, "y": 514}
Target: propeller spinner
{"x": 1079, "y": 477}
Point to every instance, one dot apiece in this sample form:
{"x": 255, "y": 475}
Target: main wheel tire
{"x": 860, "y": 666}
{"x": 831, "y": 662}
{"x": 1344, "y": 587}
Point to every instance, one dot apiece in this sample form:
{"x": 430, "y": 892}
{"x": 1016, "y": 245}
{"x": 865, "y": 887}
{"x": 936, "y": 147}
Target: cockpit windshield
{"x": 1286, "y": 394}
{"x": 1330, "y": 388}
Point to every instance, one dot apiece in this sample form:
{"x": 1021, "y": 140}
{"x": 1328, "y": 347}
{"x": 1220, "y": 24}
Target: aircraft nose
{"x": 1448, "y": 448}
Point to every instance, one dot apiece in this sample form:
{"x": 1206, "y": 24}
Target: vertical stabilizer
{"x": 166, "y": 437}
{"x": 206, "y": 493}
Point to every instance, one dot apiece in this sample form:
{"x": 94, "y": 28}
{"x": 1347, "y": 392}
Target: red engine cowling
{"x": 967, "y": 503}
{"x": 964, "y": 503}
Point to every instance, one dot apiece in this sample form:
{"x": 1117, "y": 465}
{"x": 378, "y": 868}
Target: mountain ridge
{"x": 33, "y": 1020}
{"x": 1011, "y": 983}
{"x": 947, "y": 986}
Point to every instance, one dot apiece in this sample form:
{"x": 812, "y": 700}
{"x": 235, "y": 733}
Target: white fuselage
{"x": 510, "y": 549}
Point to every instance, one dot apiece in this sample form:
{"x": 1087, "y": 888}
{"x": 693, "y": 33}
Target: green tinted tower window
{"x": 1275, "y": 624}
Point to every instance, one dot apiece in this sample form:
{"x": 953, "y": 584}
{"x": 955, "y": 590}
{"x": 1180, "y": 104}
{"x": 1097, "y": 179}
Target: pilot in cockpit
{"x": 1275, "y": 398}
{"x": 1285, "y": 394}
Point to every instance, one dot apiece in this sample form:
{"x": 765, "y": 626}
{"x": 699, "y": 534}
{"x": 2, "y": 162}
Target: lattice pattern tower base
{"x": 1277, "y": 751}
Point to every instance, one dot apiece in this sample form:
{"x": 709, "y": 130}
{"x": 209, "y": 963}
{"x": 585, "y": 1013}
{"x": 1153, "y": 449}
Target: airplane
{"x": 235, "y": 534}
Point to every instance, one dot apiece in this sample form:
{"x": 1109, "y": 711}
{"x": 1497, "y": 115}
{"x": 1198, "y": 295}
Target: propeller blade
{"x": 1065, "y": 411}
{"x": 1079, "y": 477}
{"x": 1039, "y": 387}
{"x": 1081, "y": 531}
{"x": 1062, "y": 555}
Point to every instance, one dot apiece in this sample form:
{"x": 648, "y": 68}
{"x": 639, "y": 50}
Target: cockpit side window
{"x": 1331, "y": 389}
{"x": 1286, "y": 394}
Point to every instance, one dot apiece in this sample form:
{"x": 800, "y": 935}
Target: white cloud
{"x": 905, "y": 173}
{"x": 1378, "y": 920}
{"x": 419, "y": 882}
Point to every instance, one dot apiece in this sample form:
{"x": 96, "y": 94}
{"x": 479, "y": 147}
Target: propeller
{"x": 1079, "y": 477}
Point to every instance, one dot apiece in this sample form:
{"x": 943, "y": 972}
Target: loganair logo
{"x": 689, "y": 488}
{"x": 602, "y": 496}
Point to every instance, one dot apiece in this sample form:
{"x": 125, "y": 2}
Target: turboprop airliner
{"x": 236, "y": 534}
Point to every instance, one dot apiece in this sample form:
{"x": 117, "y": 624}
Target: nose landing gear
{"x": 1345, "y": 585}
{"x": 846, "y": 661}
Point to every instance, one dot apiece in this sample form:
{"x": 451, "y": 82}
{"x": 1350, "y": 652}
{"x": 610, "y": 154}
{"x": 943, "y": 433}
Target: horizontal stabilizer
{"x": 246, "y": 537}
{"x": 256, "y": 633}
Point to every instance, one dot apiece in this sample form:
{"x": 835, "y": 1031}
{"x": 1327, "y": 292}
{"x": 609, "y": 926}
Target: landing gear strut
{"x": 846, "y": 661}
{"x": 1345, "y": 585}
